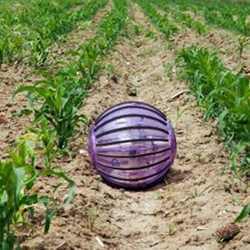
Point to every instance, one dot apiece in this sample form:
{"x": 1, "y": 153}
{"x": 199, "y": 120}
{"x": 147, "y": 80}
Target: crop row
{"x": 224, "y": 96}
{"x": 37, "y": 24}
{"x": 162, "y": 23}
{"x": 61, "y": 96}
{"x": 179, "y": 16}
{"x": 55, "y": 102}
{"x": 225, "y": 14}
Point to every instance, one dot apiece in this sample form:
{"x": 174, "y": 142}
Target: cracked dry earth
{"x": 196, "y": 198}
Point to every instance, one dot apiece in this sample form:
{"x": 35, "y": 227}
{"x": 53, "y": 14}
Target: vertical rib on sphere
{"x": 132, "y": 145}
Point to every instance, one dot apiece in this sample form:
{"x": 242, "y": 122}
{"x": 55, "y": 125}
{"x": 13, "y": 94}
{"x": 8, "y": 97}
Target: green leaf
{"x": 50, "y": 213}
{"x": 71, "y": 185}
{"x": 244, "y": 213}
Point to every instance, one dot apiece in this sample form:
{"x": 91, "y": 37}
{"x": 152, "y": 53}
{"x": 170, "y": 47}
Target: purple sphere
{"x": 132, "y": 145}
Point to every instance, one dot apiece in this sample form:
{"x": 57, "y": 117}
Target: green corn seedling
{"x": 242, "y": 43}
{"x": 36, "y": 24}
{"x": 162, "y": 23}
{"x": 46, "y": 137}
{"x": 244, "y": 213}
{"x": 180, "y": 17}
{"x": 223, "y": 95}
{"x": 17, "y": 177}
{"x": 229, "y": 15}
{"x": 60, "y": 97}
{"x": 60, "y": 104}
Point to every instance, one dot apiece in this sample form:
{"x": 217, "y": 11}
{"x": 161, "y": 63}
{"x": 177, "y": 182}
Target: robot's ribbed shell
{"x": 132, "y": 145}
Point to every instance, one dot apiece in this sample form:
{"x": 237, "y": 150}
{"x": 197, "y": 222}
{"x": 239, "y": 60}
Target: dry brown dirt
{"x": 197, "y": 197}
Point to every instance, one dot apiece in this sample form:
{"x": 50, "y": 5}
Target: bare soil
{"x": 199, "y": 194}
{"x": 196, "y": 198}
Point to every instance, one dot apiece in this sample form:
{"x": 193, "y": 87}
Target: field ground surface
{"x": 199, "y": 194}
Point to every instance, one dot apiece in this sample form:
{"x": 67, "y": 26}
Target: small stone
{"x": 83, "y": 152}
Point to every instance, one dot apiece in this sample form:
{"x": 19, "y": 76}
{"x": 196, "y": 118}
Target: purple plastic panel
{"x": 132, "y": 145}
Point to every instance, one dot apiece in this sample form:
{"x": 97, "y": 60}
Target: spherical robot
{"x": 132, "y": 145}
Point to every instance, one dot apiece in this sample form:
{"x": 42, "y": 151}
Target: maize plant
{"x": 60, "y": 97}
{"x": 17, "y": 177}
{"x": 37, "y": 24}
{"x": 163, "y": 23}
{"x": 223, "y": 94}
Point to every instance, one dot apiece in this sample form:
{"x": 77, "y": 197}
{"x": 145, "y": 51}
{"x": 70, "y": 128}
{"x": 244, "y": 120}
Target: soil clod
{"x": 227, "y": 232}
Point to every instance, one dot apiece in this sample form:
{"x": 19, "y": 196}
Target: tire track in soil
{"x": 182, "y": 213}
{"x": 11, "y": 76}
